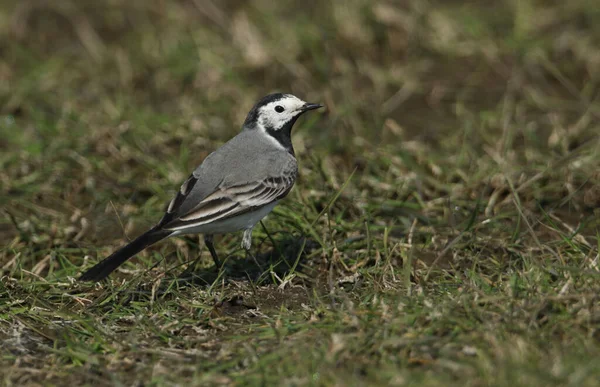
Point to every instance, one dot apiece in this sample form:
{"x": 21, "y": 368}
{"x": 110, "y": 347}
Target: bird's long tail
{"x": 102, "y": 269}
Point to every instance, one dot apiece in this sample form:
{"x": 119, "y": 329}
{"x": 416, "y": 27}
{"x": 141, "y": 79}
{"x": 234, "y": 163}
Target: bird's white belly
{"x": 237, "y": 223}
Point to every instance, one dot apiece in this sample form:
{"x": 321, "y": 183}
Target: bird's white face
{"x": 276, "y": 114}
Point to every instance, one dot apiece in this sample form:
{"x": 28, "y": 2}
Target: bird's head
{"x": 276, "y": 114}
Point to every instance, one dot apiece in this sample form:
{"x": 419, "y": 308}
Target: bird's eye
{"x": 279, "y": 109}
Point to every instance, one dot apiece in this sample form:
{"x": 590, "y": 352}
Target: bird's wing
{"x": 246, "y": 173}
{"x": 230, "y": 200}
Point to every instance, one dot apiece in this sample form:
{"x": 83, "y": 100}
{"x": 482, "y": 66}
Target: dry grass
{"x": 445, "y": 228}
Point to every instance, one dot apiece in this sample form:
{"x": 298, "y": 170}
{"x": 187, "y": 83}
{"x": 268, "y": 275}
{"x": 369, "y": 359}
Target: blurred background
{"x": 106, "y": 106}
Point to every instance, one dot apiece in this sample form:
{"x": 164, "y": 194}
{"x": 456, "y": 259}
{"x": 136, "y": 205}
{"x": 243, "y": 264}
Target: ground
{"x": 444, "y": 229}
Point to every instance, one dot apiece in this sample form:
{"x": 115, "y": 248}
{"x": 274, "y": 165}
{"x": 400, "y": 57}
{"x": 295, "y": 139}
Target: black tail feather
{"x": 102, "y": 269}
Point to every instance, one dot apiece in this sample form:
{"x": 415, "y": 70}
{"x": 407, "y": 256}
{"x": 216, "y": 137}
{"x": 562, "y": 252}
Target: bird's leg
{"x": 247, "y": 239}
{"x": 208, "y": 241}
{"x": 275, "y": 248}
{"x": 247, "y": 243}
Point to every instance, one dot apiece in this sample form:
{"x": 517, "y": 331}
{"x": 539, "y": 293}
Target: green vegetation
{"x": 445, "y": 228}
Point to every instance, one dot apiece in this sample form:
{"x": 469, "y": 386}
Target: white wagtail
{"x": 235, "y": 186}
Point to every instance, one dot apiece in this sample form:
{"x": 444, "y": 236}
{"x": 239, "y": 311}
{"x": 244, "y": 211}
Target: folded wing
{"x": 230, "y": 201}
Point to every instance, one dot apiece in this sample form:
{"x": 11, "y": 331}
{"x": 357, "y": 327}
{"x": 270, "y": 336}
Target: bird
{"x": 233, "y": 188}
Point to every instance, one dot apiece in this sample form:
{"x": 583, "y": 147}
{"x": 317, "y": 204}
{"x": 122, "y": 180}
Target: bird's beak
{"x": 311, "y": 106}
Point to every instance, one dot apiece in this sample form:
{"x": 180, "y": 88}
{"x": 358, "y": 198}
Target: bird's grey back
{"x": 248, "y": 157}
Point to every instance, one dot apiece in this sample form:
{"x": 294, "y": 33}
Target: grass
{"x": 445, "y": 228}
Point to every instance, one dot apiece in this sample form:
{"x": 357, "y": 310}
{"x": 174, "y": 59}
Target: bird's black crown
{"x": 253, "y": 114}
